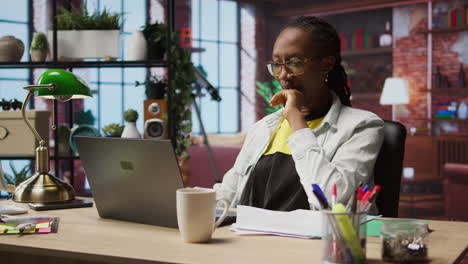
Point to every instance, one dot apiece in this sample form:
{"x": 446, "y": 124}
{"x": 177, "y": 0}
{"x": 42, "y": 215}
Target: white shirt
{"x": 342, "y": 150}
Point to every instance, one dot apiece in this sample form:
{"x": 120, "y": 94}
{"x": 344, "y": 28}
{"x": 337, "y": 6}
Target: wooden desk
{"x": 110, "y": 241}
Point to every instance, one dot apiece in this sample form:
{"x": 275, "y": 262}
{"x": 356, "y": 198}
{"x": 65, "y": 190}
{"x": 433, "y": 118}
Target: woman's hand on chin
{"x": 293, "y": 102}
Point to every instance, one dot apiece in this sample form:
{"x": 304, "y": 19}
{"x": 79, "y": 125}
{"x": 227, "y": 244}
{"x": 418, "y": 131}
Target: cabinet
{"x": 70, "y": 65}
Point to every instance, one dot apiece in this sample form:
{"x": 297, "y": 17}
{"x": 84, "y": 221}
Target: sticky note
{"x": 373, "y": 228}
{"x": 43, "y": 225}
{"x": 5, "y": 227}
{"x": 45, "y": 230}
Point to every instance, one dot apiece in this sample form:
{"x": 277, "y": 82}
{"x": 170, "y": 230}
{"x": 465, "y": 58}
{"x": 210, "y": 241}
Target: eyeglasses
{"x": 293, "y": 67}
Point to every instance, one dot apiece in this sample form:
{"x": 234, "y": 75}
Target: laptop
{"x": 132, "y": 179}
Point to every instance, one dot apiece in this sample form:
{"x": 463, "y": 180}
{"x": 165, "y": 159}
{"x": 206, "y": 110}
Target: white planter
{"x": 137, "y": 47}
{"x": 82, "y": 44}
{"x": 130, "y": 131}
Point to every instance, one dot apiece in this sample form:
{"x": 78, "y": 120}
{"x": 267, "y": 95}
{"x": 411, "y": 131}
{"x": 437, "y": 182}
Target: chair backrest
{"x": 388, "y": 168}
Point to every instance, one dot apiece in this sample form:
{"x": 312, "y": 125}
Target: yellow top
{"x": 278, "y": 142}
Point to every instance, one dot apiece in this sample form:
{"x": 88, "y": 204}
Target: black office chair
{"x": 388, "y": 168}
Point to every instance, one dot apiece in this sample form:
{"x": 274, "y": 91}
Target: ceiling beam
{"x": 344, "y": 7}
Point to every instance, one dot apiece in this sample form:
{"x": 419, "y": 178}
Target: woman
{"x": 316, "y": 138}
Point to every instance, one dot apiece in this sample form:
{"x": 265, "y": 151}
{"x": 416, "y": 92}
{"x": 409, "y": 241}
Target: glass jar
{"x": 404, "y": 241}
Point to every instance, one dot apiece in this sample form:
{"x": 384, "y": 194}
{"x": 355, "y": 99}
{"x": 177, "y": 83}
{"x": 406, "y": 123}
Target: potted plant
{"x": 39, "y": 47}
{"x": 83, "y": 35}
{"x": 267, "y": 92}
{"x": 155, "y": 35}
{"x": 130, "y": 130}
{"x": 155, "y": 87}
{"x": 113, "y": 130}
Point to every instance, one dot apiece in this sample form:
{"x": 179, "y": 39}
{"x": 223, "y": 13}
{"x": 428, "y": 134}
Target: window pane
{"x": 16, "y": 10}
{"x": 14, "y": 73}
{"x": 134, "y": 97}
{"x": 91, "y": 5}
{"x": 228, "y": 21}
{"x": 111, "y": 5}
{"x": 111, "y": 75}
{"x": 134, "y": 74}
{"x": 195, "y": 19}
{"x": 229, "y": 110}
{"x": 134, "y": 15}
{"x": 209, "y": 17}
{"x": 209, "y": 61}
{"x": 92, "y": 104}
{"x": 195, "y": 121}
{"x": 229, "y": 65}
{"x": 12, "y": 90}
{"x": 111, "y": 104}
{"x": 209, "y": 111}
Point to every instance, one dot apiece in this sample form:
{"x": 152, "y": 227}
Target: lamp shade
{"x": 395, "y": 92}
{"x": 68, "y": 85}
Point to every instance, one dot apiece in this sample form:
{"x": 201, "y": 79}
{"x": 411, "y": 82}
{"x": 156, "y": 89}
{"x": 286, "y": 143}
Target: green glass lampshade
{"x": 68, "y": 86}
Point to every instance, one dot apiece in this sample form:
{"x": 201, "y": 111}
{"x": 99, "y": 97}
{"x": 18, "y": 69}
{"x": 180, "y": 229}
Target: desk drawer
{"x": 19, "y": 139}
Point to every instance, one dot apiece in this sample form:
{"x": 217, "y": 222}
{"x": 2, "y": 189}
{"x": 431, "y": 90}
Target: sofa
{"x": 456, "y": 190}
{"x": 199, "y": 169}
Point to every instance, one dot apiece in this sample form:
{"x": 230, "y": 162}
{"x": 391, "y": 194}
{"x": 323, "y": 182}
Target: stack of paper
{"x": 298, "y": 223}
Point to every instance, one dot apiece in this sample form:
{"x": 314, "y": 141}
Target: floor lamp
{"x": 395, "y": 92}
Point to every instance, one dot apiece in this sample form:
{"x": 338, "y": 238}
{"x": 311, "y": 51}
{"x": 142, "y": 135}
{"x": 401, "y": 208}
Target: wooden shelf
{"x": 371, "y": 51}
{"x": 445, "y": 30}
{"x": 194, "y": 49}
{"x": 357, "y": 96}
{"x": 448, "y": 91}
{"x": 435, "y": 120}
{"x": 82, "y": 64}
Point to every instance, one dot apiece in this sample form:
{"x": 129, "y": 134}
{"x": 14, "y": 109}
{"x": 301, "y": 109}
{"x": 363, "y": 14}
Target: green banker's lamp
{"x": 43, "y": 187}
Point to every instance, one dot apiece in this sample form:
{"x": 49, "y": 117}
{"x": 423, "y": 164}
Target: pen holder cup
{"x": 343, "y": 237}
{"x": 404, "y": 241}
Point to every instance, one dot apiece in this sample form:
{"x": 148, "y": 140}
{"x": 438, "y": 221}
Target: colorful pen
{"x": 318, "y": 193}
{"x": 334, "y": 194}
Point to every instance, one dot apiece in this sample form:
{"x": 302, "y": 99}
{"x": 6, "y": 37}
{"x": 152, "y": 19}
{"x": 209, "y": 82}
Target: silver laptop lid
{"x": 132, "y": 179}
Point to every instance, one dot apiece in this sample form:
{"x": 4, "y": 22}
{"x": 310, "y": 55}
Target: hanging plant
{"x": 181, "y": 84}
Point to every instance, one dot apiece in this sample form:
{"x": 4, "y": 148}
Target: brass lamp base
{"x": 43, "y": 188}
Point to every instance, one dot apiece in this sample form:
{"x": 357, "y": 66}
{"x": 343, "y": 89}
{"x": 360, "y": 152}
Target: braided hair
{"x": 328, "y": 42}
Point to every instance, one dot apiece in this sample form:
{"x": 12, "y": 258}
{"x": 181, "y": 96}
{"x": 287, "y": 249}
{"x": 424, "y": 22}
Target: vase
{"x": 385, "y": 39}
{"x": 131, "y": 131}
{"x": 462, "y": 112}
{"x": 137, "y": 47}
{"x": 11, "y": 49}
{"x": 38, "y": 55}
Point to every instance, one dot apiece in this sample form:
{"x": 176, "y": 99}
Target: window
{"x": 215, "y": 26}
{"x": 14, "y": 22}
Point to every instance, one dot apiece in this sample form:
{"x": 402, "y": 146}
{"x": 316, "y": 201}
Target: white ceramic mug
{"x": 196, "y": 211}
